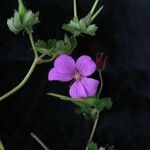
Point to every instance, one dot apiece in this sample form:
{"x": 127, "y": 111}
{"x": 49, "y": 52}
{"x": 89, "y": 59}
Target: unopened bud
{"x": 101, "y": 60}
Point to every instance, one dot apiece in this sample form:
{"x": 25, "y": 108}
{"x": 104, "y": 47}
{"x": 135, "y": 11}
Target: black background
{"x": 124, "y": 34}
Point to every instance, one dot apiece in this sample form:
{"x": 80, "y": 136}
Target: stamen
{"x": 77, "y": 76}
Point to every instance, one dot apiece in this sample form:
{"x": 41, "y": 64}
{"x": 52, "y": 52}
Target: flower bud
{"x": 21, "y": 9}
{"x": 101, "y": 60}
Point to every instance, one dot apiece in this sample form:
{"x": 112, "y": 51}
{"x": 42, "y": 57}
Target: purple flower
{"x": 65, "y": 69}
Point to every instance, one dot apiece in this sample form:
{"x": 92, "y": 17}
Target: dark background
{"x": 124, "y": 35}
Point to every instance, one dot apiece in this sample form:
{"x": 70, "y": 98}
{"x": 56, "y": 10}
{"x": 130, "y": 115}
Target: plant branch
{"x": 39, "y": 141}
{"x": 32, "y": 43}
{"x": 23, "y": 81}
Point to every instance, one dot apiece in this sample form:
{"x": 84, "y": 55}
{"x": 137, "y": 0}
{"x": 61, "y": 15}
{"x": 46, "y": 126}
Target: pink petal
{"x": 84, "y": 88}
{"x": 65, "y": 63}
{"x": 85, "y": 65}
{"x": 55, "y": 75}
{"x": 90, "y": 85}
{"x": 64, "y": 69}
{"x": 77, "y": 90}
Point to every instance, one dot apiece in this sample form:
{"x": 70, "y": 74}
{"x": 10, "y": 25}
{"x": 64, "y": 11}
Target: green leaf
{"x": 103, "y": 103}
{"x": 73, "y": 42}
{"x": 92, "y": 101}
{"x": 30, "y": 19}
{"x": 91, "y": 30}
{"x": 82, "y": 24}
{"x": 93, "y": 113}
{"x": 42, "y": 47}
{"x": 75, "y": 23}
{"x": 92, "y": 146}
{"x": 41, "y": 43}
{"x": 17, "y": 21}
{"x": 10, "y": 23}
{"x": 51, "y": 43}
{"x": 54, "y": 47}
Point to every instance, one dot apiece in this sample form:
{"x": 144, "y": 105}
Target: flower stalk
{"x": 75, "y": 9}
{"x": 98, "y": 113}
{"x": 94, "y": 7}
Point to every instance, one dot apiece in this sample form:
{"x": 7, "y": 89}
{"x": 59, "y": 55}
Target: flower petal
{"x": 84, "y": 88}
{"x": 55, "y": 75}
{"x": 90, "y": 85}
{"x": 64, "y": 69}
{"x": 85, "y": 65}
{"x": 65, "y": 64}
{"x": 77, "y": 90}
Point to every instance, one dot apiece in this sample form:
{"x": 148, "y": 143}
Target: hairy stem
{"x": 39, "y": 141}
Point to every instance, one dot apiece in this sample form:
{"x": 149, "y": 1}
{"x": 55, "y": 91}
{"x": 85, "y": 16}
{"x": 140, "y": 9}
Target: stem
{"x": 32, "y": 43}
{"x": 22, "y": 83}
{"x": 35, "y": 62}
{"x": 39, "y": 141}
{"x": 101, "y": 80}
{"x": 75, "y": 8}
{"x": 94, "y": 6}
{"x": 97, "y": 115}
{"x": 1, "y": 146}
{"x": 45, "y": 60}
{"x": 96, "y": 14}
{"x": 93, "y": 129}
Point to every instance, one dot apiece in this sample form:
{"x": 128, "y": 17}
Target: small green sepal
{"x": 21, "y": 9}
{"x": 82, "y": 26}
{"x": 92, "y": 146}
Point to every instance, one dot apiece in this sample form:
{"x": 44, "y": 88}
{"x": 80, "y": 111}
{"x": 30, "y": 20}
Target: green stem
{"x": 97, "y": 116}
{"x": 97, "y": 13}
{"x": 75, "y": 8}
{"x": 22, "y": 83}
{"x": 1, "y": 146}
{"x": 45, "y": 60}
{"x": 39, "y": 141}
{"x": 66, "y": 98}
{"x": 93, "y": 129}
{"x": 101, "y": 82}
{"x": 94, "y": 6}
{"x": 32, "y": 43}
{"x": 35, "y": 62}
